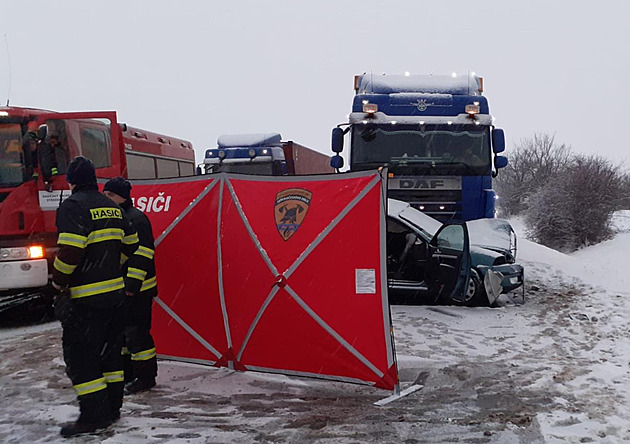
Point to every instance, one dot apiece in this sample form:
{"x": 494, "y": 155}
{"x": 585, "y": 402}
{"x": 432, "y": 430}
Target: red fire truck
{"x": 32, "y": 183}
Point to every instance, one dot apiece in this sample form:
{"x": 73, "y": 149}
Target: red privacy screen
{"x": 273, "y": 274}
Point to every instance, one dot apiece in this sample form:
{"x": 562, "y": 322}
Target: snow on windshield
{"x": 491, "y": 233}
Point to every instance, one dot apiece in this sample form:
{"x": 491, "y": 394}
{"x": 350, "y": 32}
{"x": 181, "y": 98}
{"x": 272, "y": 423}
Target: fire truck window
{"x": 140, "y": 167}
{"x": 12, "y": 166}
{"x": 95, "y": 146}
{"x": 167, "y": 168}
{"x": 186, "y": 169}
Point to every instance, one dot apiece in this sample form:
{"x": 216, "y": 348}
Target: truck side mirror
{"x": 498, "y": 140}
{"x": 336, "y": 162}
{"x": 500, "y": 162}
{"x": 337, "y": 140}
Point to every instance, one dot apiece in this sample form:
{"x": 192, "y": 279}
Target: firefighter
{"x": 94, "y": 233}
{"x": 141, "y": 288}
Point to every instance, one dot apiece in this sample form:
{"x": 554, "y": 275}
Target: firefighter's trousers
{"x": 139, "y": 348}
{"x": 92, "y": 342}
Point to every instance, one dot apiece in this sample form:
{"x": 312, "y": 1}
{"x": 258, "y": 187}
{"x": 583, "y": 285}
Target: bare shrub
{"x": 574, "y": 207}
{"x": 533, "y": 162}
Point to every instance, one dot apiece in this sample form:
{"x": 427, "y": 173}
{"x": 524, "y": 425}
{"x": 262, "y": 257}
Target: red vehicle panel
{"x": 32, "y": 185}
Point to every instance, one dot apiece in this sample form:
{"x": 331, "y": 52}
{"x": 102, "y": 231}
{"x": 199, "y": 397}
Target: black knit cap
{"x": 81, "y": 172}
{"x": 120, "y": 186}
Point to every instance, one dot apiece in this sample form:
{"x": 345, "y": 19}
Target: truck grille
{"x": 442, "y": 205}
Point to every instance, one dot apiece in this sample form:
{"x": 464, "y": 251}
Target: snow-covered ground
{"x": 554, "y": 369}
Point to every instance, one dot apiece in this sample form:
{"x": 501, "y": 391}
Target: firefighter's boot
{"x": 95, "y": 415}
{"x": 139, "y": 385}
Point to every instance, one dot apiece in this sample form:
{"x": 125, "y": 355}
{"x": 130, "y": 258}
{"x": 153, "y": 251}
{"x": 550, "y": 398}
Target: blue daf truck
{"x": 434, "y": 134}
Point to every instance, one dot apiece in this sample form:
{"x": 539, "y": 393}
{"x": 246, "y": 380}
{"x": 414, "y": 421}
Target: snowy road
{"x": 555, "y": 369}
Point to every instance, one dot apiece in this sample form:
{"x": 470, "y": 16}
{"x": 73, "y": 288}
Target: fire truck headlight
{"x": 36, "y": 252}
{"x": 442, "y": 207}
{"x": 265, "y": 151}
{"x": 4, "y": 114}
{"x": 22, "y": 253}
{"x": 252, "y": 153}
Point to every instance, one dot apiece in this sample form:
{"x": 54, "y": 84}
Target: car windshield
{"x": 263, "y": 168}
{"x": 441, "y": 149}
{"x": 12, "y": 159}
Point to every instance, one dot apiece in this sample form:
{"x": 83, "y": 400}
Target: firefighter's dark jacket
{"x": 139, "y": 270}
{"x": 94, "y": 234}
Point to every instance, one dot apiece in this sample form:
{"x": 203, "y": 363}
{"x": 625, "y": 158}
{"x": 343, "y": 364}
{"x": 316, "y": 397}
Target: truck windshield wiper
{"x": 371, "y": 164}
{"x": 408, "y": 160}
{"x": 445, "y": 162}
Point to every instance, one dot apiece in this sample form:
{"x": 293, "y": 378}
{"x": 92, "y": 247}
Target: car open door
{"x": 93, "y": 134}
{"x": 449, "y": 263}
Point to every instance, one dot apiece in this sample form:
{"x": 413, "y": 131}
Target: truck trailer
{"x": 434, "y": 134}
{"x": 264, "y": 154}
{"x": 36, "y": 147}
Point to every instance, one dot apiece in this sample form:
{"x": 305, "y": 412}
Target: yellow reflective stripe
{"x": 73, "y": 240}
{"x": 90, "y": 387}
{"x": 63, "y": 267}
{"x": 136, "y": 273}
{"x": 105, "y": 234}
{"x": 123, "y": 258}
{"x": 111, "y": 377}
{"x": 82, "y": 291}
{"x": 149, "y": 283}
{"x": 143, "y": 355}
{"x": 144, "y": 251}
{"x": 131, "y": 239}
{"x": 124, "y": 351}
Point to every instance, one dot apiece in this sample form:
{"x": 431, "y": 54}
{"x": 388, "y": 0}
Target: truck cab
{"x": 248, "y": 154}
{"x": 435, "y": 135}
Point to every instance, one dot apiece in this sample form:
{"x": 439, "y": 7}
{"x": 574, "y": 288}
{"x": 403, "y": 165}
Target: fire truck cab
{"x": 35, "y": 149}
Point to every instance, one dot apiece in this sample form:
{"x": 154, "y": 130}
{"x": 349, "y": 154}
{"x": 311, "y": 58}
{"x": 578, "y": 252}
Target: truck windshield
{"x": 262, "y": 168}
{"x": 438, "y": 149}
{"x": 12, "y": 158}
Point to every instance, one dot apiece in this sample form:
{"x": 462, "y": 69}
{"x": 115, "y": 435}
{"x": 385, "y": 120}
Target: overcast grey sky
{"x": 198, "y": 69}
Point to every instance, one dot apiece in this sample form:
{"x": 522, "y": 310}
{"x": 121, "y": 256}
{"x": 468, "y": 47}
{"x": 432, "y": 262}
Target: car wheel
{"x": 475, "y": 293}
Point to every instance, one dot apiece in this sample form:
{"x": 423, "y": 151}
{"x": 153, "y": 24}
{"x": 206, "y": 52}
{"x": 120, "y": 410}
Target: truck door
{"x": 449, "y": 263}
{"x": 93, "y": 134}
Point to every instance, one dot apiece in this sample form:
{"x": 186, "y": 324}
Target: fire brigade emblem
{"x": 290, "y": 210}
